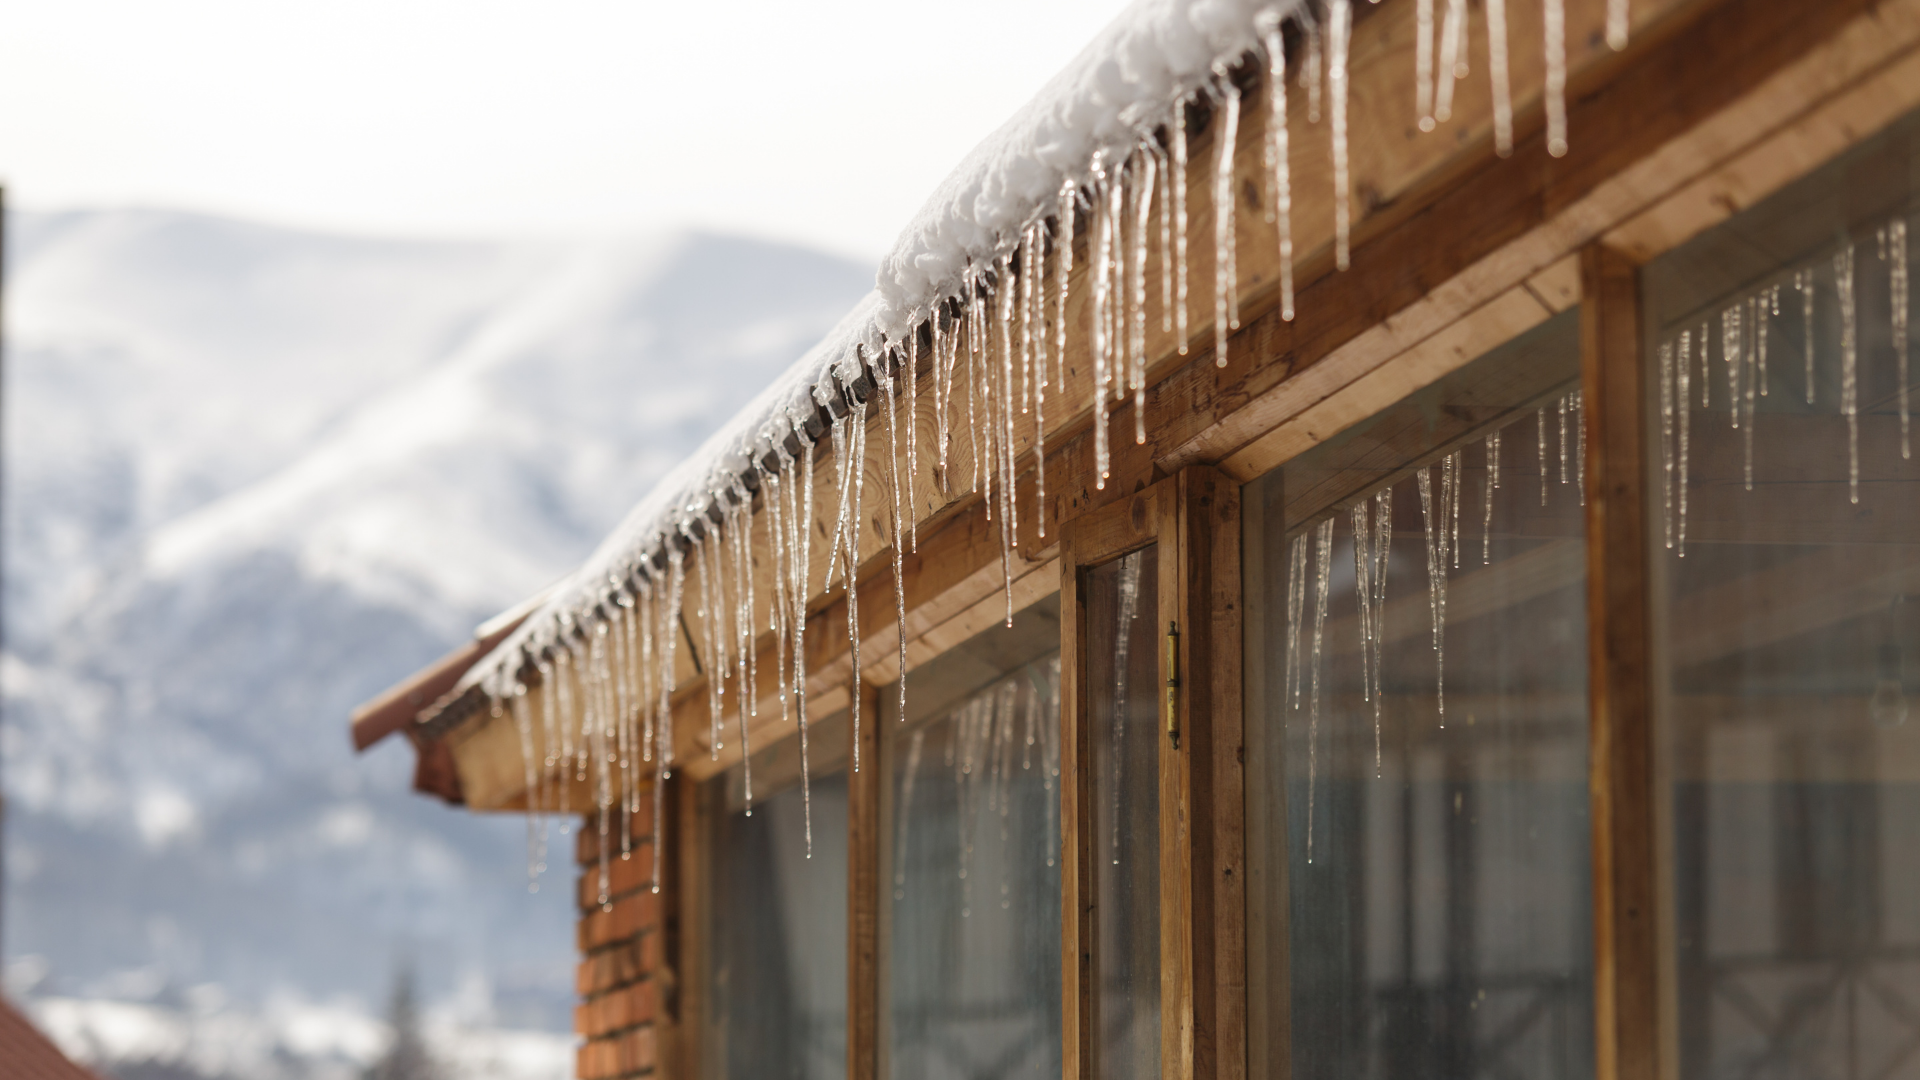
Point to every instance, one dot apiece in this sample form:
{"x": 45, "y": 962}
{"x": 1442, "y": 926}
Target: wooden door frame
{"x": 1193, "y": 519}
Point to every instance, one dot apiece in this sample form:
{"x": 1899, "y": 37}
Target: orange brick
{"x": 623, "y": 876}
{"x": 630, "y": 915}
{"x": 618, "y": 1055}
{"x": 626, "y": 1007}
{"x": 587, "y": 846}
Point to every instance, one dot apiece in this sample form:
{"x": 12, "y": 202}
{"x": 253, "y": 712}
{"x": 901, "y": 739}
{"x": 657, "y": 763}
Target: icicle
{"x": 1706, "y": 369}
{"x": 1540, "y": 424}
{"x": 903, "y": 830}
{"x": 973, "y": 383}
{"x": 1137, "y": 369}
{"x": 1296, "y": 598}
{"x": 1165, "y": 198}
{"x": 1009, "y": 516}
{"x": 1732, "y": 349}
{"x": 1423, "y": 63}
{"x": 1487, "y": 485}
{"x": 1616, "y": 24}
{"x": 1321, "y": 580}
{"x": 1683, "y": 402}
{"x": 709, "y": 613}
{"x": 1453, "y": 35}
{"x": 1803, "y": 284}
{"x": 1455, "y": 484}
{"x": 1436, "y": 532}
{"x": 895, "y": 535}
{"x": 774, "y": 494}
{"x": 850, "y": 547}
{"x": 1751, "y": 323}
{"x": 1497, "y": 77}
{"x": 1556, "y": 53}
{"x": 1122, "y": 648}
{"x": 1069, "y": 199}
{"x": 1363, "y": 561}
{"x": 1382, "y": 547}
{"x": 1040, "y": 391}
{"x": 1849, "y": 366}
{"x": 669, "y": 642}
{"x": 740, "y": 521}
{"x": 909, "y": 383}
{"x": 1279, "y": 162}
{"x": 1580, "y": 444}
{"x": 1768, "y": 306}
{"x": 799, "y": 527}
{"x": 1103, "y": 226}
{"x": 1563, "y": 436}
{"x": 1226, "y": 286}
{"x": 1310, "y": 72}
{"x": 1897, "y": 285}
{"x": 1339, "y": 31}
{"x": 1666, "y": 438}
{"x": 1178, "y": 173}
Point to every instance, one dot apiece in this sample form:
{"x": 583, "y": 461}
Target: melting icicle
{"x": 1750, "y": 382}
{"x": 1069, "y": 199}
{"x": 1803, "y": 284}
{"x": 895, "y": 535}
{"x": 1165, "y": 198}
{"x": 1666, "y": 438}
{"x": 1322, "y": 577}
{"x": 1732, "y": 351}
{"x": 1310, "y": 72}
{"x": 1768, "y": 307}
{"x": 1423, "y": 63}
{"x": 1580, "y": 444}
{"x": 914, "y": 749}
{"x": 1137, "y": 369}
{"x": 1455, "y": 484}
{"x": 1296, "y": 599}
{"x": 1009, "y": 516}
{"x": 909, "y": 389}
{"x": 1849, "y": 366}
{"x": 1564, "y": 402}
{"x": 1363, "y": 561}
{"x": 1122, "y": 649}
{"x": 850, "y": 545}
{"x": 1497, "y": 76}
{"x": 1279, "y": 162}
{"x": 1178, "y": 173}
{"x": 1540, "y": 427}
{"x": 1105, "y": 193}
{"x": 1683, "y": 400}
{"x": 1435, "y": 519}
{"x": 1382, "y": 547}
{"x": 1339, "y": 32}
{"x": 1898, "y": 294}
{"x": 1226, "y": 286}
{"x": 1556, "y": 54}
{"x": 1040, "y": 391}
{"x": 1453, "y": 34}
{"x": 1616, "y": 24}
{"x": 1488, "y": 484}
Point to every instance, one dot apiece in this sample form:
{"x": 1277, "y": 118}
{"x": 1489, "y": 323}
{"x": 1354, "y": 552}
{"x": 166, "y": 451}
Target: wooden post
{"x": 1077, "y": 912}
{"x": 863, "y": 892}
{"x": 1626, "y": 915}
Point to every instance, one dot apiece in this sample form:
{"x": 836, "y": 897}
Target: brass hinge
{"x": 1173, "y": 683}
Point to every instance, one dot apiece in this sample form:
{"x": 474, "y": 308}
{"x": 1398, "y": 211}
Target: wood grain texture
{"x": 1626, "y": 908}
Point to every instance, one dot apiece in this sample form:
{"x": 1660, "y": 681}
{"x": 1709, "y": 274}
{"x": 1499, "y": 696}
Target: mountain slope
{"x": 254, "y": 476}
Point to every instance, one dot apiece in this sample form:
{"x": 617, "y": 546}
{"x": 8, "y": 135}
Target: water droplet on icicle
{"x": 1555, "y": 26}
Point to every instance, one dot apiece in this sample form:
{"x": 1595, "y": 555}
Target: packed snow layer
{"x": 1122, "y": 86}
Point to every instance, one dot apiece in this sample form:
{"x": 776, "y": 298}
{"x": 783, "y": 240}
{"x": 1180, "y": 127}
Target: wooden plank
{"x": 863, "y": 895}
{"x": 1628, "y": 988}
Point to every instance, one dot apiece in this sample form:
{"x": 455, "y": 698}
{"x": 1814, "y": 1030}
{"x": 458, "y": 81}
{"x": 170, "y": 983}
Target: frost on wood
{"x": 977, "y": 288}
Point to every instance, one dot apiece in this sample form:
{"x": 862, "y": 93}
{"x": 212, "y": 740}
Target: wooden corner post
{"x": 1626, "y": 915}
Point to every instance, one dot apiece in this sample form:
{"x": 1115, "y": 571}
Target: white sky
{"x": 827, "y": 123}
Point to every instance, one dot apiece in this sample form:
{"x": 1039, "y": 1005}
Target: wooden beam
{"x": 1626, "y": 900}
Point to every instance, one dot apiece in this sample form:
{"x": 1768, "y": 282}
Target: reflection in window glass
{"x": 1418, "y": 705}
{"x": 1123, "y": 695}
{"x": 778, "y": 955}
{"x": 973, "y": 934}
{"x": 1787, "y": 626}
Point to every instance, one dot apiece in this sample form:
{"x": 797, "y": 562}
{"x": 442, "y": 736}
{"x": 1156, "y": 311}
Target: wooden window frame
{"x": 1193, "y": 518}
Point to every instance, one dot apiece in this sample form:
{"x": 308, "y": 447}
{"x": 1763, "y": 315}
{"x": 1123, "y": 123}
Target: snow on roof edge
{"x": 1123, "y": 84}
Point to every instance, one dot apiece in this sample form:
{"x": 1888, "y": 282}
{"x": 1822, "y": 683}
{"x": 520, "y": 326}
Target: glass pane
{"x": 1418, "y": 708}
{"x": 778, "y": 1006}
{"x": 1123, "y": 696}
{"x": 973, "y": 935}
{"x": 1787, "y": 629}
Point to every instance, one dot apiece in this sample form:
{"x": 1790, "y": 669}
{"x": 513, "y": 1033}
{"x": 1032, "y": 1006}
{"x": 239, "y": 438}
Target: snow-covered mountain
{"x": 253, "y": 476}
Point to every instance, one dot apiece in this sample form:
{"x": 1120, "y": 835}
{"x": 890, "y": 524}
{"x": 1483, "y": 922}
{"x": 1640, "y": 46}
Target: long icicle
{"x": 1322, "y": 579}
{"x": 1898, "y": 293}
{"x": 1423, "y": 63}
{"x": 1363, "y": 603}
{"x": 1497, "y": 77}
{"x": 1101, "y": 268}
{"x": 1555, "y": 26}
{"x": 1038, "y": 240}
{"x": 1137, "y": 367}
{"x": 1279, "y": 161}
{"x": 1849, "y": 365}
{"x": 1226, "y": 287}
{"x": 895, "y": 534}
{"x": 1339, "y": 34}
{"x": 1382, "y": 548}
{"x": 1452, "y": 40}
{"x": 1667, "y": 448}
{"x": 1683, "y": 408}
{"x": 1296, "y": 598}
{"x": 1069, "y": 200}
{"x": 1178, "y": 137}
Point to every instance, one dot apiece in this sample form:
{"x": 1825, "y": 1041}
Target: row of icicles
{"x": 599, "y": 712}
{"x": 1744, "y": 338}
{"x": 1442, "y": 487}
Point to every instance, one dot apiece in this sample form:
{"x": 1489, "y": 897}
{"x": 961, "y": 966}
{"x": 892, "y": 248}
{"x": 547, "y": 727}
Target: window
{"x": 1786, "y": 601}
{"x": 1419, "y": 901}
{"x": 777, "y": 954}
{"x": 971, "y": 860}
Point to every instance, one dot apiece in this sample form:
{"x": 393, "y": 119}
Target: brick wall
{"x": 623, "y": 975}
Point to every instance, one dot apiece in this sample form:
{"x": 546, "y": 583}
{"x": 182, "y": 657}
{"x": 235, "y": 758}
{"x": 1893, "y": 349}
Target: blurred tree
{"x": 407, "y": 1057}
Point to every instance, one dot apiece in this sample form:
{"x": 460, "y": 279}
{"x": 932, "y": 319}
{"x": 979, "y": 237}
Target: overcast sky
{"x": 826, "y": 123}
